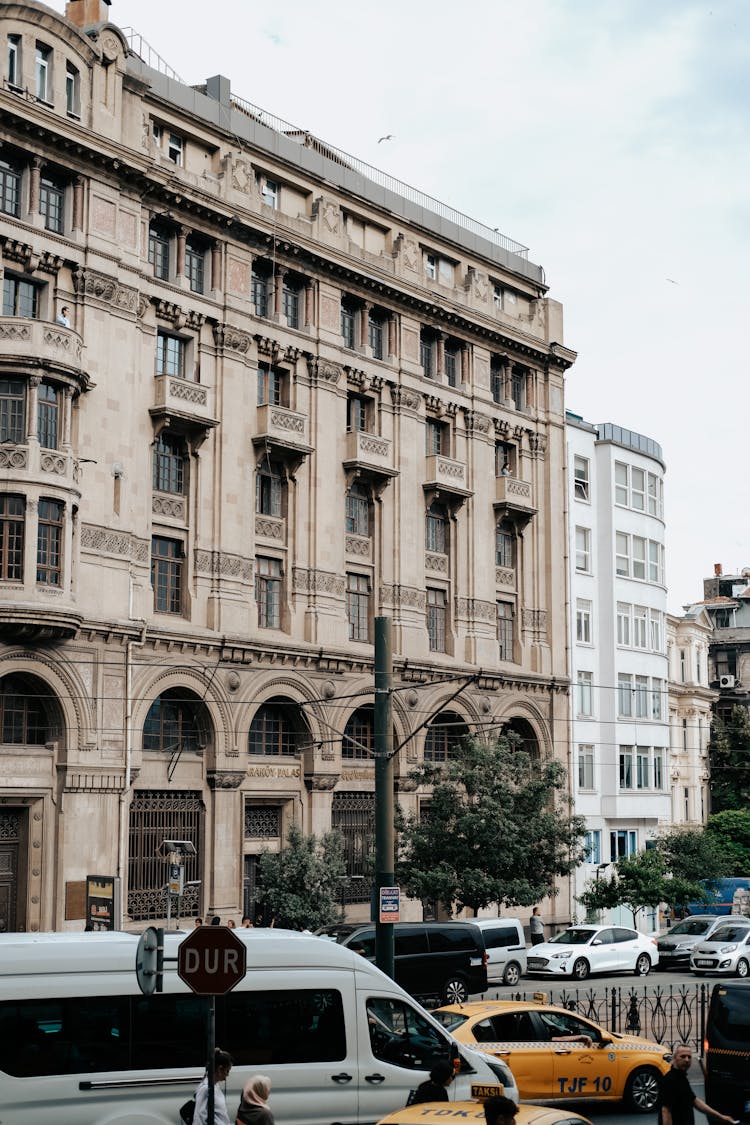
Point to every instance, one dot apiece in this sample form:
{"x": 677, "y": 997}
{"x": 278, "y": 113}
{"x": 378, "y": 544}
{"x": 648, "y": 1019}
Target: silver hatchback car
{"x": 727, "y": 951}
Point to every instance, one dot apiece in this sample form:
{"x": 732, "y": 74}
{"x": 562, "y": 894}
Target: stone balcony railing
{"x": 183, "y": 398}
{"x": 442, "y": 474}
{"x": 515, "y": 495}
{"x": 42, "y": 341}
{"x": 29, "y": 462}
{"x": 368, "y": 449}
{"x": 286, "y": 426}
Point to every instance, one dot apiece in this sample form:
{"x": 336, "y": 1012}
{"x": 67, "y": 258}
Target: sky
{"x": 609, "y": 136}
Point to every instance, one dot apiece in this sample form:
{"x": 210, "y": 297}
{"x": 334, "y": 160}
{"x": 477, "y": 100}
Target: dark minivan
{"x": 448, "y": 960}
{"x": 728, "y": 1050}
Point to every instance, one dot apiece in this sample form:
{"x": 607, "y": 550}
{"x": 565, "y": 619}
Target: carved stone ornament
{"x": 232, "y": 339}
{"x": 322, "y": 783}
{"x": 221, "y": 564}
{"x": 225, "y": 779}
{"x": 102, "y": 287}
{"x": 318, "y": 582}
{"x": 168, "y": 506}
{"x": 105, "y": 541}
{"x": 409, "y": 597}
{"x": 242, "y": 176}
{"x": 480, "y": 287}
{"x": 405, "y": 398}
{"x": 477, "y": 423}
{"x": 324, "y": 369}
{"x": 410, "y": 254}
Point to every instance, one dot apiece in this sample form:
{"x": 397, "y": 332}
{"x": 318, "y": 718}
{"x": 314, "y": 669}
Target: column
{"x": 77, "y": 216}
{"x": 392, "y": 333}
{"x": 364, "y": 325}
{"x": 507, "y": 377}
{"x": 32, "y": 421}
{"x": 440, "y": 350}
{"x": 309, "y": 303}
{"x": 182, "y": 233}
{"x": 31, "y": 532}
{"x": 35, "y": 175}
{"x": 530, "y": 388}
{"x": 278, "y": 291}
{"x": 465, "y": 374}
{"x": 67, "y": 417}
{"x": 216, "y": 266}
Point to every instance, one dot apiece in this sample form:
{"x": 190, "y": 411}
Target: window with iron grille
{"x": 49, "y": 543}
{"x": 167, "y": 562}
{"x": 195, "y": 266}
{"x": 275, "y": 729}
{"x": 169, "y": 463}
{"x": 48, "y": 411}
{"x": 505, "y": 630}
{"x": 156, "y": 816}
{"x": 269, "y": 489}
{"x": 358, "y": 606}
{"x": 436, "y": 529}
{"x": 444, "y": 736}
{"x": 358, "y": 510}
{"x": 261, "y": 284}
{"x": 505, "y": 544}
{"x": 20, "y": 298}
{"x": 12, "y": 520}
{"x": 175, "y": 722}
{"x": 268, "y": 592}
{"x": 358, "y": 742}
{"x": 353, "y": 815}
{"x": 28, "y": 711}
{"x": 290, "y": 298}
{"x": 10, "y": 189}
{"x": 171, "y": 352}
{"x": 262, "y": 821}
{"x": 51, "y": 203}
{"x": 12, "y": 410}
{"x": 436, "y": 619}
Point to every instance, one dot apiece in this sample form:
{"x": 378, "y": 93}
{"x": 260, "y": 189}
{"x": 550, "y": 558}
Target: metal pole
{"x": 211, "y": 1066}
{"x": 384, "y": 805}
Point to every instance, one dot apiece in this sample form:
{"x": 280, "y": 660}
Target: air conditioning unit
{"x": 726, "y": 681}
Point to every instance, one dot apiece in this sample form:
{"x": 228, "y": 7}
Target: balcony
{"x": 282, "y": 433}
{"x": 28, "y": 463}
{"x": 368, "y": 457}
{"x": 182, "y": 405}
{"x": 445, "y": 479}
{"x": 41, "y": 342}
{"x": 514, "y": 497}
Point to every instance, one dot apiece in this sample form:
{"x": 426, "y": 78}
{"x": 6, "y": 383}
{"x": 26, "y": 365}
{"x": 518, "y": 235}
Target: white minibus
{"x": 341, "y": 1042}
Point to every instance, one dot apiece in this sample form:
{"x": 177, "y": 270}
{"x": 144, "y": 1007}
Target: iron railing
{"x": 146, "y": 52}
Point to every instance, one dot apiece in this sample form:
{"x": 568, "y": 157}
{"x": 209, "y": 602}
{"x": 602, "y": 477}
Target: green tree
{"x": 641, "y": 881}
{"x": 730, "y": 831}
{"x": 729, "y": 756}
{"x": 302, "y": 883}
{"x": 497, "y": 829}
{"x": 692, "y": 855}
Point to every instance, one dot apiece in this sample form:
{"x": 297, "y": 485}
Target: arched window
{"x": 278, "y": 728}
{"x": 358, "y": 510}
{"x": 444, "y": 736}
{"x": 524, "y": 736}
{"x": 436, "y": 529}
{"x": 505, "y": 544}
{"x": 359, "y": 734}
{"x": 29, "y": 711}
{"x": 176, "y": 720}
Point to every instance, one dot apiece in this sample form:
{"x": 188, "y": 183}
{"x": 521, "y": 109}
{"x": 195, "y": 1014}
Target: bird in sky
{"x": 671, "y": 281}
{"x": 387, "y": 137}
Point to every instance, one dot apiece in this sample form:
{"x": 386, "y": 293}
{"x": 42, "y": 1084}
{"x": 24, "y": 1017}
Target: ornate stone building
{"x": 690, "y": 711}
{"x": 288, "y": 395}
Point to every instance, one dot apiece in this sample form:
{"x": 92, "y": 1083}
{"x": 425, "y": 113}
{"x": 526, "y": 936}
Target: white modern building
{"x": 620, "y": 721}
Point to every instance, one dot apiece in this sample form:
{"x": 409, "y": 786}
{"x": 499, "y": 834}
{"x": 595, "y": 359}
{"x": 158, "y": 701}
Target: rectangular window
{"x": 158, "y": 252}
{"x": 357, "y": 511}
{"x": 622, "y": 554}
{"x": 260, "y": 287}
{"x": 593, "y": 845}
{"x": 657, "y": 690}
{"x": 270, "y": 193}
{"x": 585, "y": 690}
{"x": 436, "y": 619}
{"x": 176, "y": 149}
{"x": 446, "y": 271}
{"x": 72, "y": 91}
{"x": 51, "y": 203}
{"x": 167, "y": 561}
{"x": 585, "y": 767}
{"x": 505, "y": 630}
{"x": 639, "y": 557}
{"x": 637, "y": 489}
{"x": 683, "y": 666}
{"x": 656, "y": 630}
{"x": 452, "y": 364}
{"x": 358, "y": 606}
{"x": 640, "y": 626}
{"x": 497, "y": 380}
{"x": 434, "y": 438}
{"x": 47, "y": 416}
{"x": 581, "y": 478}
{"x": 49, "y": 543}
{"x": 643, "y": 771}
{"x": 14, "y": 60}
{"x": 169, "y": 464}
{"x": 12, "y": 517}
{"x": 684, "y": 735}
{"x": 436, "y": 530}
{"x": 430, "y": 266}
{"x": 20, "y": 298}
{"x": 622, "y": 844}
{"x": 505, "y": 542}
{"x": 356, "y": 414}
{"x": 583, "y": 550}
{"x": 641, "y": 697}
{"x": 10, "y": 189}
{"x": 624, "y": 695}
{"x": 290, "y": 303}
{"x": 195, "y": 266}
{"x": 426, "y": 357}
{"x": 626, "y": 767}
{"x": 170, "y": 355}
{"x": 271, "y": 386}
{"x": 583, "y": 621}
{"x": 43, "y": 72}
{"x": 268, "y": 592}
{"x": 375, "y": 332}
{"x": 12, "y": 411}
{"x": 621, "y": 484}
{"x": 348, "y": 325}
{"x": 268, "y": 489}
{"x": 518, "y": 388}
{"x": 655, "y": 567}
{"x": 658, "y": 767}
{"x": 623, "y": 624}
{"x": 654, "y": 496}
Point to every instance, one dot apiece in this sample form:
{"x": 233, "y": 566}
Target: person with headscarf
{"x": 254, "y": 1108}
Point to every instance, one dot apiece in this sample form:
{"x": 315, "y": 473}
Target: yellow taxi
{"x": 558, "y": 1055}
{"x": 442, "y": 1113}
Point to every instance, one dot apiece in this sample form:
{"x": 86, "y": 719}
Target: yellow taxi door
{"x": 512, "y": 1037}
{"x": 578, "y": 1071}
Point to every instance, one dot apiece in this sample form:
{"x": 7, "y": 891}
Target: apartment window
{"x": 195, "y": 266}
{"x": 658, "y": 768}
{"x": 358, "y": 606}
{"x": 585, "y": 767}
{"x": 622, "y": 554}
{"x": 427, "y": 354}
{"x": 43, "y": 72}
{"x": 584, "y": 694}
{"x": 348, "y": 323}
{"x": 272, "y": 386}
{"x": 443, "y": 739}
{"x": 623, "y": 624}
{"x": 270, "y": 193}
{"x": 637, "y": 489}
{"x": 505, "y": 544}
{"x": 375, "y": 330}
{"x": 626, "y": 767}
{"x": 639, "y": 557}
{"x": 436, "y": 529}
{"x": 268, "y": 592}
{"x": 505, "y": 459}
{"x": 358, "y": 510}
{"x": 452, "y": 363}
{"x": 583, "y": 550}
{"x": 158, "y": 251}
{"x": 655, "y": 562}
{"x": 641, "y": 697}
{"x": 175, "y": 721}
{"x": 698, "y": 668}
{"x": 14, "y": 60}
{"x": 48, "y": 411}
{"x": 657, "y": 690}
{"x": 12, "y": 519}
{"x": 169, "y": 464}
{"x": 49, "y": 543}
{"x": 436, "y": 438}
{"x": 622, "y": 843}
{"x": 655, "y": 496}
{"x": 436, "y": 619}
{"x": 621, "y": 484}
{"x": 640, "y": 626}
{"x": 497, "y": 297}
{"x": 269, "y": 489}
{"x": 20, "y": 298}
{"x": 642, "y": 768}
{"x": 72, "y": 91}
{"x": 12, "y": 411}
{"x": 290, "y": 299}
{"x": 51, "y": 204}
{"x": 505, "y": 630}
{"x": 430, "y": 266}
{"x": 261, "y": 283}
{"x": 176, "y": 149}
{"x": 656, "y": 630}
{"x": 518, "y": 388}
{"x": 167, "y": 562}
{"x": 170, "y": 355}
{"x": 624, "y": 695}
{"x": 356, "y": 414}
{"x": 581, "y": 482}
{"x": 10, "y": 189}
{"x": 497, "y": 380}
{"x": 593, "y": 846}
{"x": 584, "y": 611}
{"x": 723, "y": 619}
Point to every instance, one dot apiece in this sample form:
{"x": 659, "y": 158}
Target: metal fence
{"x": 670, "y": 1014}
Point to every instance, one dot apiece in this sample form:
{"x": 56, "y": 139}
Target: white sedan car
{"x": 581, "y": 950}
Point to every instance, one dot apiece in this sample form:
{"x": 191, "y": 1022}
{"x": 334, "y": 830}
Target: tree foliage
{"x": 497, "y": 829}
{"x": 302, "y": 883}
{"x": 692, "y": 855}
{"x": 730, "y": 830}
{"x": 641, "y": 881}
{"x": 729, "y": 756}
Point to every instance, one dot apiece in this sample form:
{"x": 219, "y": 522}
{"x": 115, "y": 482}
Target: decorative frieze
{"x": 359, "y": 545}
{"x": 402, "y": 597}
{"x": 184, "y": 391}
{"x": 232, "y": 339}
{"x": 225, "y": 779}
{"x": 11, "y": 458}
{"x": 474, "y": 609}
{"x": 268, "y": 527}
{"x": 535, "y": 622}
{"x": 104, "y": 541}
{"x": 306, "y": 581}
{"x": 436, "y": 564}
{"x": 102, "y": 287}
{"x": 221, "y": 564}
{"x": 171, "y": 506}
{"x": 505, "y": 576}
{"x": 51, "y": 462}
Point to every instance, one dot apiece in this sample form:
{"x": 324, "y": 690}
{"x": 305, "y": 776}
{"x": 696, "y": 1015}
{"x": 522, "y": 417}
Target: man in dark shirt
{"x": 676, "y": 1097}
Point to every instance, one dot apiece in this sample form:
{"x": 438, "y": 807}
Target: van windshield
{"x": 730, "y": 1026}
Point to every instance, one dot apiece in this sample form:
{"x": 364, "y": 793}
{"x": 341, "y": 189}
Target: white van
{"x": 506, "y": 949}
{"x": 341, "y": 1042}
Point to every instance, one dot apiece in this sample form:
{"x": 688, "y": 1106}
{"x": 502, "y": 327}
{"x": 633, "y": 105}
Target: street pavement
{"x": 603, "y": 1113}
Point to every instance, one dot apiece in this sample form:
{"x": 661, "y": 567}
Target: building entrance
{"x": 12, "y": 880}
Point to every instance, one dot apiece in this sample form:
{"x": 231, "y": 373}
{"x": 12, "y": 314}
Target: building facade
{"x": 619, "y": 666}
{"x": 726, "y": 601}
{"x": 283, "y": 399}
{"x": 690, "y": 703}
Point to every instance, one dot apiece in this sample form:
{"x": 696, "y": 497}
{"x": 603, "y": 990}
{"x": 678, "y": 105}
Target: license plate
{"x": 703, "y": 962}
{"x": 535, "y": 963}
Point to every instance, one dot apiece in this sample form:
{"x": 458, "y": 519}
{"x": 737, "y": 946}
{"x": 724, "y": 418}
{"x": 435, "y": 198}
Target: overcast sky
{"x": 609, "y": 136}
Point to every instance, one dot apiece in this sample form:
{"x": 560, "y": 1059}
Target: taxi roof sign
{"x": 484, "y": 1091}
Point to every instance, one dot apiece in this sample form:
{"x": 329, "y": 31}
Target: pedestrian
{"x": 198, "y": 922}
{"x": 677, "y": 1101}
{"x": 254, "y": 1108}
{"x": 246, "y": 923}
{"x": 222, "y": 1066}
{"x": 435, "y": 1088}
{"x": 63, "y": 318}
{"x": 499, "y": 1110}
{"x": 216, "y": 920}
{"x": 536, "y": 927}
{"x": 232, "y": 924}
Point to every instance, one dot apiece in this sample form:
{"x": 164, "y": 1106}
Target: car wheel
{"x": 455, "y": 991}
{"x": 742, "y": 967}
{"x": 642, "y": 965}
{"x": 642, "y": 1090}
{"x": 512, "y": 974}
{"x": 581, "y": 969}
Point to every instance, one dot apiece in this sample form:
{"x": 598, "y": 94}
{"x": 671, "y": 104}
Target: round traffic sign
{"x": 211, "y": 960}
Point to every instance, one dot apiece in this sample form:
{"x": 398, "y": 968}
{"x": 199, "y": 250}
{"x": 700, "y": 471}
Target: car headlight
{"x": 728, "y": 948}
{"x": 559, "y": 957}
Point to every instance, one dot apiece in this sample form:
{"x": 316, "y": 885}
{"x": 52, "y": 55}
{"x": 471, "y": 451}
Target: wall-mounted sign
{"x": 103, "y": 902}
